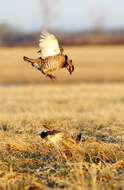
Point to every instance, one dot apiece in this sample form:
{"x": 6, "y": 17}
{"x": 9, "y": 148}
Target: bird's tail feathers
{"x": 29, "y": 59}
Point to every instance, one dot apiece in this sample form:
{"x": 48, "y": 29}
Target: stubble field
{"x": 88, "y": 152}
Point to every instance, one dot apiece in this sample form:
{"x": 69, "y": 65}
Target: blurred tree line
{"x": 12, "y": 37}
{"x": 49, "y": 12}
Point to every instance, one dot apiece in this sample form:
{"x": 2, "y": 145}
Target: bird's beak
{"x": 71, "y": 69}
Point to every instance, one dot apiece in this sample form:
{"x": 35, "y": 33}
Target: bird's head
{"x": 69, "y": 65}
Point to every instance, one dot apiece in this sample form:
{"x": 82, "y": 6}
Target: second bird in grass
{"x": 52, "y": 56}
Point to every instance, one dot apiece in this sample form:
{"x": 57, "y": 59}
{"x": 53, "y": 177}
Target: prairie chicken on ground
{"x": 62, "y": 142}
{"x": 52, "y": 56}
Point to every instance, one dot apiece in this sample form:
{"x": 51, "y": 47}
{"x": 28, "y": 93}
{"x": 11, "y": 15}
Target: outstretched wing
{"x": 49, "y": 45}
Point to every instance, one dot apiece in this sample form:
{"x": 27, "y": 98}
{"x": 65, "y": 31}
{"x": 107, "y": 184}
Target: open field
{"x": 88, "y": 152}
{"x": 93, "y": 64}
{"x": 96, "y": 111}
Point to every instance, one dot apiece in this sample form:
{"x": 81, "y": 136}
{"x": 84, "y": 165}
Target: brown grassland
{"x": 93, "y": 110}
{"x": 93, "y": 64}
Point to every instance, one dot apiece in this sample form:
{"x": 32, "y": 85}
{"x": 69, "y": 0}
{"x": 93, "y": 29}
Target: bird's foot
{"x": 51, "y": 76}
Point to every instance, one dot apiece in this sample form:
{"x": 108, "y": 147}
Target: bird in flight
{"x": 52, "y": 56}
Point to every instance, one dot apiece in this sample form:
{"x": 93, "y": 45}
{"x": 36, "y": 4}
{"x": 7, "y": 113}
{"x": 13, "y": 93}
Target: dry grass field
{"x": 93, "y": 64}
{"x": 88, "y": 152}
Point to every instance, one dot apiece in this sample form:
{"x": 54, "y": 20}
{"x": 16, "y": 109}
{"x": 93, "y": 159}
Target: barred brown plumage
{"x": 52, "y": 57}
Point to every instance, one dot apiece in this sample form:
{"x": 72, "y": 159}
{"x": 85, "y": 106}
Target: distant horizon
{"x": 78, "y": 30}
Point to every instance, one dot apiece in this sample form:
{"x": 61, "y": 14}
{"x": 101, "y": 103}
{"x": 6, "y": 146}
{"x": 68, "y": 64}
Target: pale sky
{"x": 71, "y": 14}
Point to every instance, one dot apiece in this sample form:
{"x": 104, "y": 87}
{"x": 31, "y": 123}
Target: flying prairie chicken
{"x": 52, "y": 56}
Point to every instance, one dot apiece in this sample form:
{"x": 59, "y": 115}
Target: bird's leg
{"x": 50, "y": 75}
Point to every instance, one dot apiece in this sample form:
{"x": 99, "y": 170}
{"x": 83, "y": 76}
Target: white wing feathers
{"x": 49, "y": 45}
